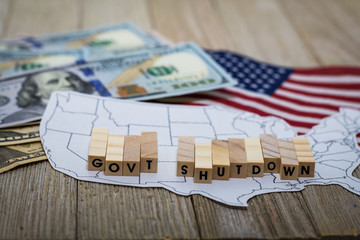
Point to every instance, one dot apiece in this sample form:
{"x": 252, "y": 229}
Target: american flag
{"x": 300, "y": 96}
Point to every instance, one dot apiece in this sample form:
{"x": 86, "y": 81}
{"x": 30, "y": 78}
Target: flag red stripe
{"x": 339, "y": 85}
{"x": 324, "y": 95}
{"x": 251, "y": 109}
{"x": 333, "y": 71}
{"x": 306, "y": 103}
{"x": 273, "y": 105}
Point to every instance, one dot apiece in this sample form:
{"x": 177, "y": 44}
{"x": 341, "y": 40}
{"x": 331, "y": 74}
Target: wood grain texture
{"x": 132, "y": 155}
{"x": 271, "y": 153}
{"x": 149, "y": 152}
{"x": 237, "y": 154}
{"x": 114, "y": 155}
{"x": 185, "y": 156}
{"x": 220, "y": 159}
{"x": 38, "y": 202}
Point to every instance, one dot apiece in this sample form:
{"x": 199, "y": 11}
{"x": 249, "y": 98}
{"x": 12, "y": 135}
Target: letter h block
{"x": 203, "y": 163}
{"x": 97, "y": 149}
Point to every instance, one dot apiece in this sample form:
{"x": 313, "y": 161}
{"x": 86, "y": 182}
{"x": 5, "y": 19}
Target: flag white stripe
{"x": 322, "y": 90}
{"x": 264, "y": 108}
{"x": 284, "y": 103}
{"x": 311, "y": 99}
{"x": 325, "y": 79}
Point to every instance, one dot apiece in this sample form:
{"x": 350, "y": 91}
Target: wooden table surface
{"x": 38, "y": 202}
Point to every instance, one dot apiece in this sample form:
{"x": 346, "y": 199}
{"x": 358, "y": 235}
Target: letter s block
{"x": 185, "y": 156}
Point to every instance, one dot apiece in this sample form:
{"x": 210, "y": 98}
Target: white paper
{"x": 69, "y": 118}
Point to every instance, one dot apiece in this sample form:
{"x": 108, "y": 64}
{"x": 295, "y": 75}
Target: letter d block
{"x": 254, "y": 157}
{"x": 131, "y": 155}
{"x": 203, "y": 163}
{"x": 220, "y": 159}
{"x": 149, "y": 152}
{"x": 238, "y": 164}
{"x": 185, "y": 157}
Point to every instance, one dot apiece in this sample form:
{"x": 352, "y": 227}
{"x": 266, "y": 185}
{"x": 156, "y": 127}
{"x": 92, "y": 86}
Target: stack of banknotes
{"x": 118, "y": 61}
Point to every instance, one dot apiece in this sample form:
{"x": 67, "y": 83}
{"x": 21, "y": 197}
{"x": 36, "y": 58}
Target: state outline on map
{"x": 270, "y": 182}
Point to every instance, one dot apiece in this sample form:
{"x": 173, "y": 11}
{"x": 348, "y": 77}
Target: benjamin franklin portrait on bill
{"x": 37, "y": 88}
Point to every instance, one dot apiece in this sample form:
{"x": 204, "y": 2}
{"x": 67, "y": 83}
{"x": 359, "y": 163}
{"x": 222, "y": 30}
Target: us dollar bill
{"x": 20, "y": 154}
{"x": 13, "y": 62}
{"x": 159, "y": 73}
{"x": 122, "y": 37}
{"x": 18, "y": 135}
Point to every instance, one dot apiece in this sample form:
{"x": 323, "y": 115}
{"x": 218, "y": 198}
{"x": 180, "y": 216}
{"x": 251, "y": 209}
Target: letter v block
{"x": 149, "y": 152}
{"x": 131, "y": 155}
{"x": 289, "y": 169}
{"x": 97, "y": 149}
{"x": 185, "y": 157}
{"x": 305, "y": 157}
{"x": 220, "y": 159}
{"x": 203, "y": 163}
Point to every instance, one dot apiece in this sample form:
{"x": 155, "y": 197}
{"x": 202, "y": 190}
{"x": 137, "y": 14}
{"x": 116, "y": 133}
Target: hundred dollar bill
{"x": 159, "y": 73}
{"x": 12, "y": 62}
{"x": 122, "y": 37}
{"x": 18, "y": 135}
{"x": 15, "y": 155}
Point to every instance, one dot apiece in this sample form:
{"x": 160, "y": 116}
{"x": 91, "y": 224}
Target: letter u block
{"x": 185, "y": 157}
{"x": 220, "y": 159}
{"x": 203, "y": 163}
{"x": 97, "y": 149}
{"x": 254, "y": 157}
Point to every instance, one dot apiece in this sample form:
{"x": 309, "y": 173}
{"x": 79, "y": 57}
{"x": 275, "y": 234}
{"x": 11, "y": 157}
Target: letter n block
{"x": 254, "y": 157}
{"x": 185, "y": 156}
{"x": 220, "y": 159}
{"x": 271, "y": 153}
{"x": 97, "y": 149}
{"x": 289, "y": 169}
{"x": 305, "y": 157}
{"x": 238, "y": 163}
{"x": 203, "y": 163}
{"x": 131, "y": 163}
{"x": 149, "y": 152}
{"x": 114, "y": 155}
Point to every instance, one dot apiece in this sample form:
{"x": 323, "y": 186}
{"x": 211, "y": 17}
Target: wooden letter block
{"x": 305, "y": 157}
{"x": 289, "y": 164}
{"x": 131, "y": 165}
{"x": 97, "y": 149}
{"x": 186, "y": 157}
{"x": 149, "y": 152}
{"x": 203, "y": 163}
{"x": 271, "y": 153}
{"x": 238, "y": 164}
{"x": 254, "y": 157}
{"x": 220, "y": 160}
{"x": 114, "y": 155}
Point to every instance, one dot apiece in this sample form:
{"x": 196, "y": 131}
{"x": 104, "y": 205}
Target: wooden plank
{"x": 42, "y": 17}
{"x": 37, "y": 202}
{"x": 110, "y": 12}
{"x": 329, "y": 29}
{"x": 119, "y": 212}
{"x": 5, "y": 11}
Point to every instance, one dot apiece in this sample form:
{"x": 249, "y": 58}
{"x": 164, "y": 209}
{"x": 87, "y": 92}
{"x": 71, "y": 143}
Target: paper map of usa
{"x": 69, "y": 118}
